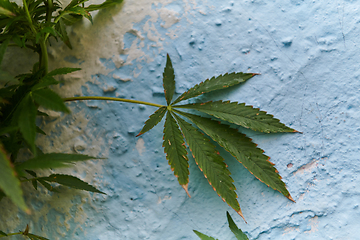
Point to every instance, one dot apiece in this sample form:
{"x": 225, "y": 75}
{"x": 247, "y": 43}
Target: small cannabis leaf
{"x": 237, "y": 232}
{"x": 70, "y": 181}
{"x": 9, "y": 183}
{"x": 203, "y": 151}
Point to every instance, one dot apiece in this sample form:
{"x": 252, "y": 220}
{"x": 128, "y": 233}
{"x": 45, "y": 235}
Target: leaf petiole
{"x": 111, "y": 99}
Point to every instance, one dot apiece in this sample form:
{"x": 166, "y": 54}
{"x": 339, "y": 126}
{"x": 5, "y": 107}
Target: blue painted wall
{"x": 308, "y": 56}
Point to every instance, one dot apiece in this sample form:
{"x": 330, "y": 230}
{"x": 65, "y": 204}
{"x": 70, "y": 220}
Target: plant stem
{"x": 49, "y": 8}
{"x": 111, "y": 99}
{"x": 44, "y": 59}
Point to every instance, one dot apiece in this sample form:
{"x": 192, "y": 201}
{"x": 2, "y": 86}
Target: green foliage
{"x": 30, "y": 26}
{"x": 70, "y": 181}
{"x": 8, "y": 181}
{"x": 237, "y": 232}
{"x": 203, "y": 236}
{"x": 203, "y": 151}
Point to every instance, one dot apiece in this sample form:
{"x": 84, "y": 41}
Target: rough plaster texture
{"x": 308, "y": 56}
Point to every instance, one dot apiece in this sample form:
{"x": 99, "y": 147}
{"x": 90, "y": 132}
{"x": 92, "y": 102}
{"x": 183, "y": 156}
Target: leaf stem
{"x": 12, "y": 234}
{"x": 28, "y": 17}
{"x": 110, "y": 99}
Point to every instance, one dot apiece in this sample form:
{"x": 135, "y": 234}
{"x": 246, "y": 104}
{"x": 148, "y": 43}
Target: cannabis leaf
{"x": 9, "y": 183}
{"x": 238, "y": 113}
{"x": 70, "y": 181}
{"x": 203, "y": 236}
{"x": 215, "y": 83}
{"x": 168, "y": 80}
{"x": 52, "y": 160}
{"x": 174, "y": 147}
{"x": 26, "y": 120}
{"x": 243, "y": 149}
{"x": 211, "y": 164}
{"x": 153, "y": 120}
{"x": 237, "y": 232}
{"x": 50, "y": 100}
{"x": 203, "y": 151}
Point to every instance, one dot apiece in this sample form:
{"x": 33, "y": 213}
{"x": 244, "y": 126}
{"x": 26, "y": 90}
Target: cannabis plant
{"x": 31, "y": 26}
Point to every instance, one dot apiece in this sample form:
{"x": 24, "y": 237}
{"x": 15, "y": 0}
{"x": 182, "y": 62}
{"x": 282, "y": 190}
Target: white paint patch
{"x": 314, "y": 223}
{"x": 307, "y": 167}
{"x": 288, "y": 230}
{"x": 169, "y": 17}
{"x": 140, "y": 146}
{"x": 163, "y": 199}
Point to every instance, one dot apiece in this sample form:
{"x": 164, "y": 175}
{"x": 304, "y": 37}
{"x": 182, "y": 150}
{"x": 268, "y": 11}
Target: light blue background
{"x": 308, "y": 56}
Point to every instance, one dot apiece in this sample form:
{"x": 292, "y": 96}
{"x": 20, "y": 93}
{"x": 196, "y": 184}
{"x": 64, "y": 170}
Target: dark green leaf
{"x": 62, "y": 71}
{"x": 9, "y": 183}
{"x": 64, "y": 36}
{"x": 5, "y": 12}
{"x": 70, "y": 19}
{"x": 32, "y": 173}
{"x": 153, "y": 120}
{"x": 168, "y": 80}
{"x": 47, "y": 186}
{"x": 238, "y": 233}
{"x": 203, "y": 236}
{"x": 3, "y": 48}
{"x": 35, "y": 237}
{"x": 26, "y": 121}
{"x": 211, "y": 164}
{"x": 8, "y": 129}
{"x": 34, "y": 183}
{"x": 50, "y": 100}
{"x": 45, "y": 82}
{"x": 39, "y": 130}
{"x": 2, "y": 233}
{"x": 175, "y": 150}
{"x": 71, "y": 181}
{"x": 80, "y": 11}
{"x": 52, "y": 160}
{"x": 75, "y": 3}
{"x": 245, "y": 116}
{"x": 106, "y": 4}
{"x": 215, "y": 83}
{"x": 244, "y": 150}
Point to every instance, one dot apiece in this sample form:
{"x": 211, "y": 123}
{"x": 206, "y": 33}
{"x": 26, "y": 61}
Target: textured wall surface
{"x": 308, "y": 55}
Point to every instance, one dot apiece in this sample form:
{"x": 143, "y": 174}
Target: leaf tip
{"x": 140, "y": 133}
{"x": 241, "y": 215}
{"x": 290, "y": 198}
{"x": 185, "y": 187}
{"x": 253, "y": 74}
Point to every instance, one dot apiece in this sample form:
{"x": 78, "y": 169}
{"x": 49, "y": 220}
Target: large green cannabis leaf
{"x": 176, "y": 129}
